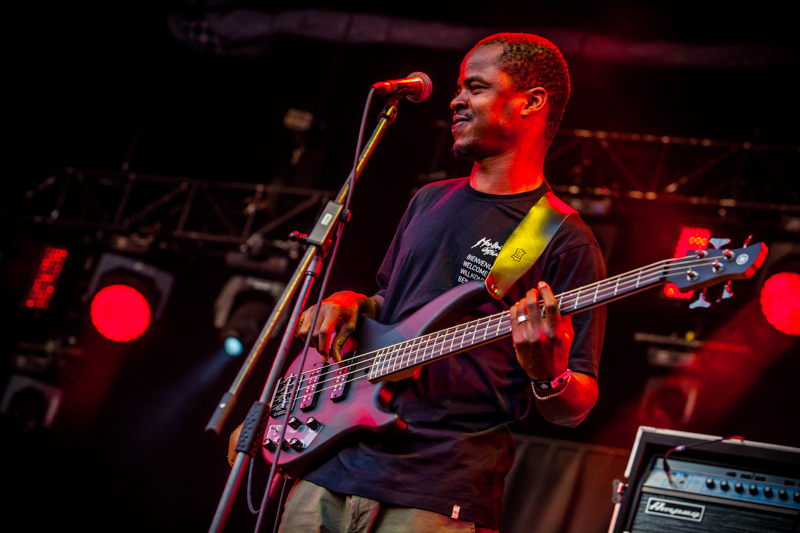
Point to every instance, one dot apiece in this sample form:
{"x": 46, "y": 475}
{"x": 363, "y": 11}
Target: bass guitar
{"x": 336, "y": 402}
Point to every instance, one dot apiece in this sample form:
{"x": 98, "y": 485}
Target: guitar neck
{"x": 428, "y": 348}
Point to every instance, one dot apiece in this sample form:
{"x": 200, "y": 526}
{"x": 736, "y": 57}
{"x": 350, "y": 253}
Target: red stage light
{"x": 691, "y": 239}
{"x": 120, "y": 313}
{"x": 780, "y": 302}
{"x": 45, "y": 283}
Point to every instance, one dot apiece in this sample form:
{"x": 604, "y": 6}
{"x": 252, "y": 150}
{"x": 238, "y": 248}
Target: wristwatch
{"x": 552, "y": 383}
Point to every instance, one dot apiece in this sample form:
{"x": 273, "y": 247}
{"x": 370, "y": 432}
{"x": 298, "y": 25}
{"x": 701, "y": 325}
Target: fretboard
{"x": 433, "y": 346}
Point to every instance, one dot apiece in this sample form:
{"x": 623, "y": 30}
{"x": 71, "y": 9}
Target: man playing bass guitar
{"x": 446, "y": 471}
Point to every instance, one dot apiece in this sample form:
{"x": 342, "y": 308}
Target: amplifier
{"x": 728, "y": 486}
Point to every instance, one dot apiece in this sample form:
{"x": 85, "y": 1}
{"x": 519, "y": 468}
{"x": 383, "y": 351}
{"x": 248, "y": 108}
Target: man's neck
{"x": 508, "y": 173}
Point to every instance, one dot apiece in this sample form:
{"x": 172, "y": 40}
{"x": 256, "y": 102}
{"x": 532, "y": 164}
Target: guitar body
{"x": 343, "y": 401}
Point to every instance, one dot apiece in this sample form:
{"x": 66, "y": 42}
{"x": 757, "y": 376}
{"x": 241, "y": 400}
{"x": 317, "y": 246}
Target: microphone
{"x": 416, "y": 87}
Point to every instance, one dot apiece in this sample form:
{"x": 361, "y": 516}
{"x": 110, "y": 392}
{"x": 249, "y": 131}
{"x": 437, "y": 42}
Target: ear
{"x": 537, "y": 99}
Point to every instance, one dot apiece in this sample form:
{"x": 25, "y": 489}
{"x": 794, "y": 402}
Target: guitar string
{"x": 566, "y": 298}
{"x": 394, "y": 357}
{"x": 352, "y": 374}
{"x": 353, "y": 368}
{"x": 403, "y": 357}
{"x": 472, "y": 327}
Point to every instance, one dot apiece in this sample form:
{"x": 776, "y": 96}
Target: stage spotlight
{"x": 126, "y": 295}
{"x": 245, "y": 322}
{"x": 779, "y": 280}
{"x": 44, "y": 285}
{"x": 690, "y": 239}
{"x": 241, "y": 310}
{"x": 30, "y": 404}
{"x": 120, "y": 313}
{"x": 233, "y": 346}
{"x": 780, "y": 302}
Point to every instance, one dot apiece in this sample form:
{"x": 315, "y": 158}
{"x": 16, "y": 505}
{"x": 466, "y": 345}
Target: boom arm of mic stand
{"x": 229, "y": 399}
{"x": 243, "y": 457}
{"x": 226, "y": 404}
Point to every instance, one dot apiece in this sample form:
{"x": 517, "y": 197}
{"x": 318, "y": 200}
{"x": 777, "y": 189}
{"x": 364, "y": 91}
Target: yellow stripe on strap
{"x": 526, "y": 243}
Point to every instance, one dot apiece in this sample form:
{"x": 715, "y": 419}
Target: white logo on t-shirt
{"x": 487, "y": 247}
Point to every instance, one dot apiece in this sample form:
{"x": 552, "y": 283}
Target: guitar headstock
{"x": 702, "y": 268}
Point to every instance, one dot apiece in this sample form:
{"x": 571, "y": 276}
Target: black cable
{"x": 683, "y": 447}
{"x": 360, "y": 140}
{"x": 281, "y": 503}
{"x": 250, "y": 488}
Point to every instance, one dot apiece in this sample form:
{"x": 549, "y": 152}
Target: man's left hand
{"x": 542, "y": 342}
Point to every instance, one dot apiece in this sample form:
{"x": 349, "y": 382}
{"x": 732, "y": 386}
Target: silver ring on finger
{"x": 522, "y": 318}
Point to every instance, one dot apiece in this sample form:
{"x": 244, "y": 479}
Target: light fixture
{"x": 44, "y": 284}
{"x": 30, "y": 404}
{"x": 780, "y": 302}
{"x": 126, "y": 295}
{"x": 690, "y": 239}
{"x": 241, "y": 310}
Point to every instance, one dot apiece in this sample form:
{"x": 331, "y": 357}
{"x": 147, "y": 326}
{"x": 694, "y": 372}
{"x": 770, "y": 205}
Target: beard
{"x": 462, "y": 152}
{"x": 473, "y": 150}
{"x": 478, "y": 144}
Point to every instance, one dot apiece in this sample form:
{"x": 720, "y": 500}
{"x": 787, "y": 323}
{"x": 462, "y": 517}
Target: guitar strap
{"x": 526, "y": 243}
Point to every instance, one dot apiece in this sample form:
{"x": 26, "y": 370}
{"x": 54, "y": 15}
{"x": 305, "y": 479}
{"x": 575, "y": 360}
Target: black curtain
{"x": 561, "y": 487}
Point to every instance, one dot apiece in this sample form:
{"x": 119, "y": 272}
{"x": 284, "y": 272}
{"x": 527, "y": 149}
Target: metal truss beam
{"x": 676, "y": 169}
{"x": 233, "y": 214}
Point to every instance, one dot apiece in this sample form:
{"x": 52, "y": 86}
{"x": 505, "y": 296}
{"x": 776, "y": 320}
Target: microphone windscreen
{"x": 427, "y": 87}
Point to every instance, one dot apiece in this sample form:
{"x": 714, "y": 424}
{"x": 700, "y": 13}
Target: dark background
{"x": 127, "y": 450}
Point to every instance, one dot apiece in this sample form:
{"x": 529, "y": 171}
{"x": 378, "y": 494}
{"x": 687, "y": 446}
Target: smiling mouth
{"x": 458, "y": 120}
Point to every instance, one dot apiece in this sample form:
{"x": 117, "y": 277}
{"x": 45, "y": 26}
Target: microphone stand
{"x": 252, "y": 433}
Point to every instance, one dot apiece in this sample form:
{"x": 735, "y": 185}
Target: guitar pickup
{"x": 340, "y": 382}
{"x": 309, "y": 388}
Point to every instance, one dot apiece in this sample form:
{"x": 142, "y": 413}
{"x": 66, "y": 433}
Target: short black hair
{"x": 533, "y": 61}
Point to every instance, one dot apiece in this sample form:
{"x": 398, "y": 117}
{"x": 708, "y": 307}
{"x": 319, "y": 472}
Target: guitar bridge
{"x": 281, "y": 399}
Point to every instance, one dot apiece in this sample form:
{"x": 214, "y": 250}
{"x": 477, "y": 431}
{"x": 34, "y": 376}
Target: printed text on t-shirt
{"x": 488, "y": 247}
{"x": 474, "y": 268}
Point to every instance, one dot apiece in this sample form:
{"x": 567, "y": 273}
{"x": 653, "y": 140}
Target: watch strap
{"x": 552, "y": 383}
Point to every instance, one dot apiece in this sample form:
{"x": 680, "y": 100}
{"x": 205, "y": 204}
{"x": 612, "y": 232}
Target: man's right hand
{"x": 338, "y": 316}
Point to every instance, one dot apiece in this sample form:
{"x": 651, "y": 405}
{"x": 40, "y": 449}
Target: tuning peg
{"x": 718, "y": 243}
{"x": 726, "y": 292}
{"x": 700, "y": 302}
{"x": 747, "y": 241}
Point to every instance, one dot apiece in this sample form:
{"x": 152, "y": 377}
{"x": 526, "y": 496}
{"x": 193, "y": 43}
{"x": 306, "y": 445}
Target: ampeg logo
{"x": 673, "y": 509}
{"x": 742, "y": 259}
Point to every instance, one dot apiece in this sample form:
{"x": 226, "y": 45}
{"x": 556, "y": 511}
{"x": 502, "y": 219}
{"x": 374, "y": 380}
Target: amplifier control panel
{"x": 728, "y": 483}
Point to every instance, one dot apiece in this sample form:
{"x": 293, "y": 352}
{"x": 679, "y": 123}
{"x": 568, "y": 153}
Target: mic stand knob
{"x": 296, "y": 236}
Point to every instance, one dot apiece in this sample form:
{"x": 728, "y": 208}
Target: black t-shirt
{"x": 457, "y": 448}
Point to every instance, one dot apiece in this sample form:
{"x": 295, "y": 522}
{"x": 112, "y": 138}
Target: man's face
{"x": 487, "y": 108}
